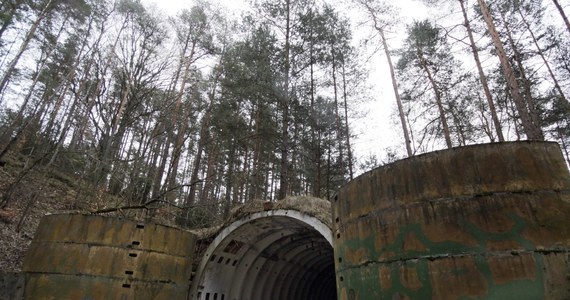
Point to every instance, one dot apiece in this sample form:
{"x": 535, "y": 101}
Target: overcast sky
{"x": 378, "y": 130}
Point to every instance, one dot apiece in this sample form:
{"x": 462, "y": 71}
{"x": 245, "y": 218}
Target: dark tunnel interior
{"x": 278, "y": 258}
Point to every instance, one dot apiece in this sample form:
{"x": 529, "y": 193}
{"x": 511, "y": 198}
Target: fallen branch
{"x": 146, "y": 205}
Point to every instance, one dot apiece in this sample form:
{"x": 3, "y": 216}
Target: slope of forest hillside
{"x": 26, "y": 199}
{"x": 31, "y": 198}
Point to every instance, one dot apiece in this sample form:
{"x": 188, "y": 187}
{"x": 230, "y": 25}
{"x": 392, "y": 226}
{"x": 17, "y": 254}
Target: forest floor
{"x": 38, "y": 193}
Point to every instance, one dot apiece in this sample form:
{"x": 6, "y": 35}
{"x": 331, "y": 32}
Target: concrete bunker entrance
{"x": 470, "y": 222}
{"x": 275, "y": 254}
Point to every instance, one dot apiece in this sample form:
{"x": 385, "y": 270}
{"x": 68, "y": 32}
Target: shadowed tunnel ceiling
{"x": 278, "y": 255}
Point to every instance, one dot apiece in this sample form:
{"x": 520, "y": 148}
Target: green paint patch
{"x": 364, "y": 276}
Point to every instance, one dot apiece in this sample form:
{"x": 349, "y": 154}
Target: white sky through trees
{"x": 378, "y": 130}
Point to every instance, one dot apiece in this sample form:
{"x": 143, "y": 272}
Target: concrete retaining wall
{"x": 11, "y": 286}
{"x": 93, "y": 257}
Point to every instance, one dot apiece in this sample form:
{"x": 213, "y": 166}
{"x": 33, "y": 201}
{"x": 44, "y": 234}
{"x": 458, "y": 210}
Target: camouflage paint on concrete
{"x": 480, "y": 222}
{"x": 93, "y": 257}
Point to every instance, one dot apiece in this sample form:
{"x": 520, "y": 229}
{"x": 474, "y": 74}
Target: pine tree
{"x": 381, "y": 15}
{"x": 423, "y": 50}
{"x": 531, "y": 128}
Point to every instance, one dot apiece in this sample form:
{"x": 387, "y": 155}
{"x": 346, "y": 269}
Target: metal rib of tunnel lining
{"x": 270, "y": 255}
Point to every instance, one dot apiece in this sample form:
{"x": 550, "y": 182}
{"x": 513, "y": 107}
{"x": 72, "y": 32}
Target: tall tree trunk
{"x": 521, "y": 70}
{"x": 161, "y": 152}
{"x": 337, "y": 116}
{"x": 170, "y": 125}
{"x": 14, "y": 7}
{"x": 562, "y": 141}
{"x": 315, "y": 141}
{"x": 211, "y": 170}
{"x": 68, "y": 81}
{"x": 439, "y": 101}
{"x": 191, "y": 198}
{"x": 177, "y": 150}
{"x": 257, "y": 181}
{"x": 532, "y": 130}
{"x": 407, "y": 139}
{"x": 165, "y": 140}
{"x": 92, "y": 95}
{"x": 272, "y": 182}
{"x": 318, "y": 154}
{"x": 482, "y": 77}
{"x": 346, "y": 129}
{"x": 204, "y": 125}
{"x": 329, "y": 170}
{"x": 138, "y": 186}
{"x": 541, "y": 54}
{"x": 485, "y": 124}
{"x": 24, "y": 46}
{"x": 110, "y": 146}
{"x": 180, "y": 122}
{"x": 64, "y": 129}
{"x": 229, "y": 181}
{"x": 561, "y": 11}
{"x": 461, "y": 139}
{"x": 295, "y": 179}
{"x": 284, "y": 179}
{"x": 380, "y": 30}
{"x": 157, "y": 141}
{"x": 63, "y": 88}
{"x": 24, "y": 106}
{"x": 19, "y": 126}
{"x": 241, "y": 193}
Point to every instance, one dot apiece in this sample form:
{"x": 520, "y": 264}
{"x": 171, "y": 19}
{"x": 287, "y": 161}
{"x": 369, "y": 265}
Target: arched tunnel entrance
{"x": 274, "y": 254}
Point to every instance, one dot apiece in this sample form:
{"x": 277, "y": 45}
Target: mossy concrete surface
{"x": 94, "y": 257}
{"x": 11, "y": 286}
{"x": 480, "y": 222}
